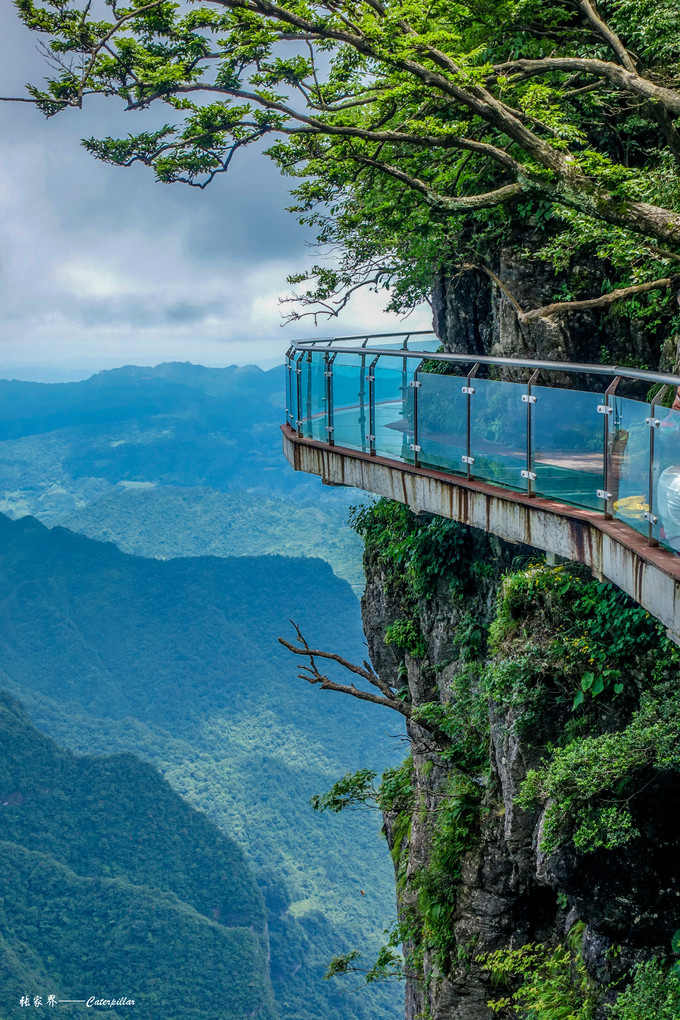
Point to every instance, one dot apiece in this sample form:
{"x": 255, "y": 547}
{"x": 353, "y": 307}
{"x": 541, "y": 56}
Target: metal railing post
{"x": 653, "y": 423}
{"x": 469, "y": 389}
{"x": 289, "y": 386}
{"x": 362, "y": 401}
{"x": 415, "y": 448}
{"x": 607, "y": 409}
{"x": 298, "y": 393}
{"x": 328, "y": 382}
{"x": 371, "y": 405}
{"x": 308, "y": 402}
{"x": 530, "y": 399}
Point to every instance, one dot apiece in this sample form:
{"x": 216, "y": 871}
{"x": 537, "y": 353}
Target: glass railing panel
{"x": 394, "y": 407}
{"x": 442, "y": 422}
{"x": 498, "y": 433}
{"x": 567, "y": 443}
{"x": 312, "y": 412}
{"x": 666, "y": 478}
{"x": 430, "y": 344}
{"x": 629, "y": 454}
{"x": 350, "y": 401}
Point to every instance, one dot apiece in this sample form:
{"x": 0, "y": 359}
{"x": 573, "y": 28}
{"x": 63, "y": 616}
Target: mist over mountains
{"x": 194, "y": 447}
{"x": 177, "y": 659}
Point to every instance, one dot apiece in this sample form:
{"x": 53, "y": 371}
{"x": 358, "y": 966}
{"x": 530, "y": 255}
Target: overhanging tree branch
{"x": 626, "y": 80}
{"x": 563, "y": 307}
{"x": 394, "y": 92}
{"x": 610, "y": 37}
{"x": 447, "y": 203}
{"x": 313, "y": 675}
{"x": 604, "y": 301}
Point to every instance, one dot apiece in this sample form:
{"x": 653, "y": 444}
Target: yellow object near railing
{"x": 632, "y": 508}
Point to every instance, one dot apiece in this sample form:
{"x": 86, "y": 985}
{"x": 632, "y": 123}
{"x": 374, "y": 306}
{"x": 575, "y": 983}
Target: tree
{"x": 417, "y": 130}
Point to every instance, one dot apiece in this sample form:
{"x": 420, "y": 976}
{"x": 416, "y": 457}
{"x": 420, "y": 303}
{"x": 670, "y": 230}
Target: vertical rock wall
{"x": 505, "y": 891}
{"x": 472, "y": 315}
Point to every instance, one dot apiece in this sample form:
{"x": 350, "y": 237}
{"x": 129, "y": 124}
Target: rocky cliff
{"x": 534, "y": 826}
{"x": 472, "y": 314}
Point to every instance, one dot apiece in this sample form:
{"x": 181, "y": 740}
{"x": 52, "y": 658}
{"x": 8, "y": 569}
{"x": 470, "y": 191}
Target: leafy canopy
{"x": 403, "y": 121}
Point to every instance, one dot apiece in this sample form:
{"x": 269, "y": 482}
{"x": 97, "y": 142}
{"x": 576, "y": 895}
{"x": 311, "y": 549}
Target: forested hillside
{"x": 108, "y": 878}
{"x": 178, "y": 661}
{"x": 197, "y": 448}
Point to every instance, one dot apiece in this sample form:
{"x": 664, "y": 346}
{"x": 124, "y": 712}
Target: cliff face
{"x": 539, "y": 808}
{"x": 472, "y": 315}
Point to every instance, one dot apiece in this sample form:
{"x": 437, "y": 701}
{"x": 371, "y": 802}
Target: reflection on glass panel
{"x": 393, "y": 407}
{"x": 313, "y": 397}
{"x": 666, "y": 477}
{"x": 567, "y": 440}
{"x": 498, "y": 433}
{"x": 629, "y": 452}
{"x": 442, "y": 422}
{"x": 350, "y": 401}
{"x": 425, "y": 343}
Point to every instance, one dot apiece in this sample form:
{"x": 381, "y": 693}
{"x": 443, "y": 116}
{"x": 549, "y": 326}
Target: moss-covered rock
{"x": 544, "y": 768}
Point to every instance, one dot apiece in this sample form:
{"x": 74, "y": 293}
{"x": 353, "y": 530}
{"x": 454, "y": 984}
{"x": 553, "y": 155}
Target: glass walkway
{"x": 599, "y": 437}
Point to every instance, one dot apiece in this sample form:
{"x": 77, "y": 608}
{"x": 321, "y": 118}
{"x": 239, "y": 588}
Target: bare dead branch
{"x": 334, "y": 305}
{"x": 388, "y": 698}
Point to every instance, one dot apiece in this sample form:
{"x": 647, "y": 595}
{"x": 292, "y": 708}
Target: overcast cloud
{"x": 101, "y": 266}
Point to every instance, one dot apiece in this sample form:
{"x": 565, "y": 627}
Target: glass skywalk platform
{"x": 604, "y": 440}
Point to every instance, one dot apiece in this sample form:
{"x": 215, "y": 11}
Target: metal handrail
{"x": 317, "y": 341}
{"x": 623, "y": 371}
{"x": 301, "y": 359}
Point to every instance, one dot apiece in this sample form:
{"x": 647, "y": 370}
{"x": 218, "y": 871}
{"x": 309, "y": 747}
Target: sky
{"x": 102, "y": 266}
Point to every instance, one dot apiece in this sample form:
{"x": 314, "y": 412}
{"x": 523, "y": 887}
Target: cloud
{"x": 100, "y": 266}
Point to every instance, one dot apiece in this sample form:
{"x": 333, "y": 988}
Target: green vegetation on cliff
{"x": 545, "y": 730}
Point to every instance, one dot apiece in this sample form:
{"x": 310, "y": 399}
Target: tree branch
{"x": 624, "y": 79}
{"x": 313, "y": 675}
{"x": 604, "y": 301}
{"x": 447, "y": 203}
{"x": 350, "y": 131}
{"x": 332, "y": 308}
{"x": 561, "y": 307}
{"x": 605, "y": 31}
{"x": 501, "y": 286}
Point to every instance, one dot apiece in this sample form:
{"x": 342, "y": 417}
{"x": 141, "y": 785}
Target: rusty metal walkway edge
{"x": 612, "y": 550}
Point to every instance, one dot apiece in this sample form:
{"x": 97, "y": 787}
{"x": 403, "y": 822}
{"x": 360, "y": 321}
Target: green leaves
{"x": 420, "y": 550}
{"x": 353, "y": 790}
{"x": 594, "y": 685}
{"x": 578, "y": 775}
{"x": 393, "y": 112}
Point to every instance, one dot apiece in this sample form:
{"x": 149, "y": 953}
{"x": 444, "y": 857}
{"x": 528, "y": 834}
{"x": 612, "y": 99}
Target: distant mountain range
{"x": 110, "y": 454}
{"x": 178, "y": 661}
{"x": 176, "y": 658}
